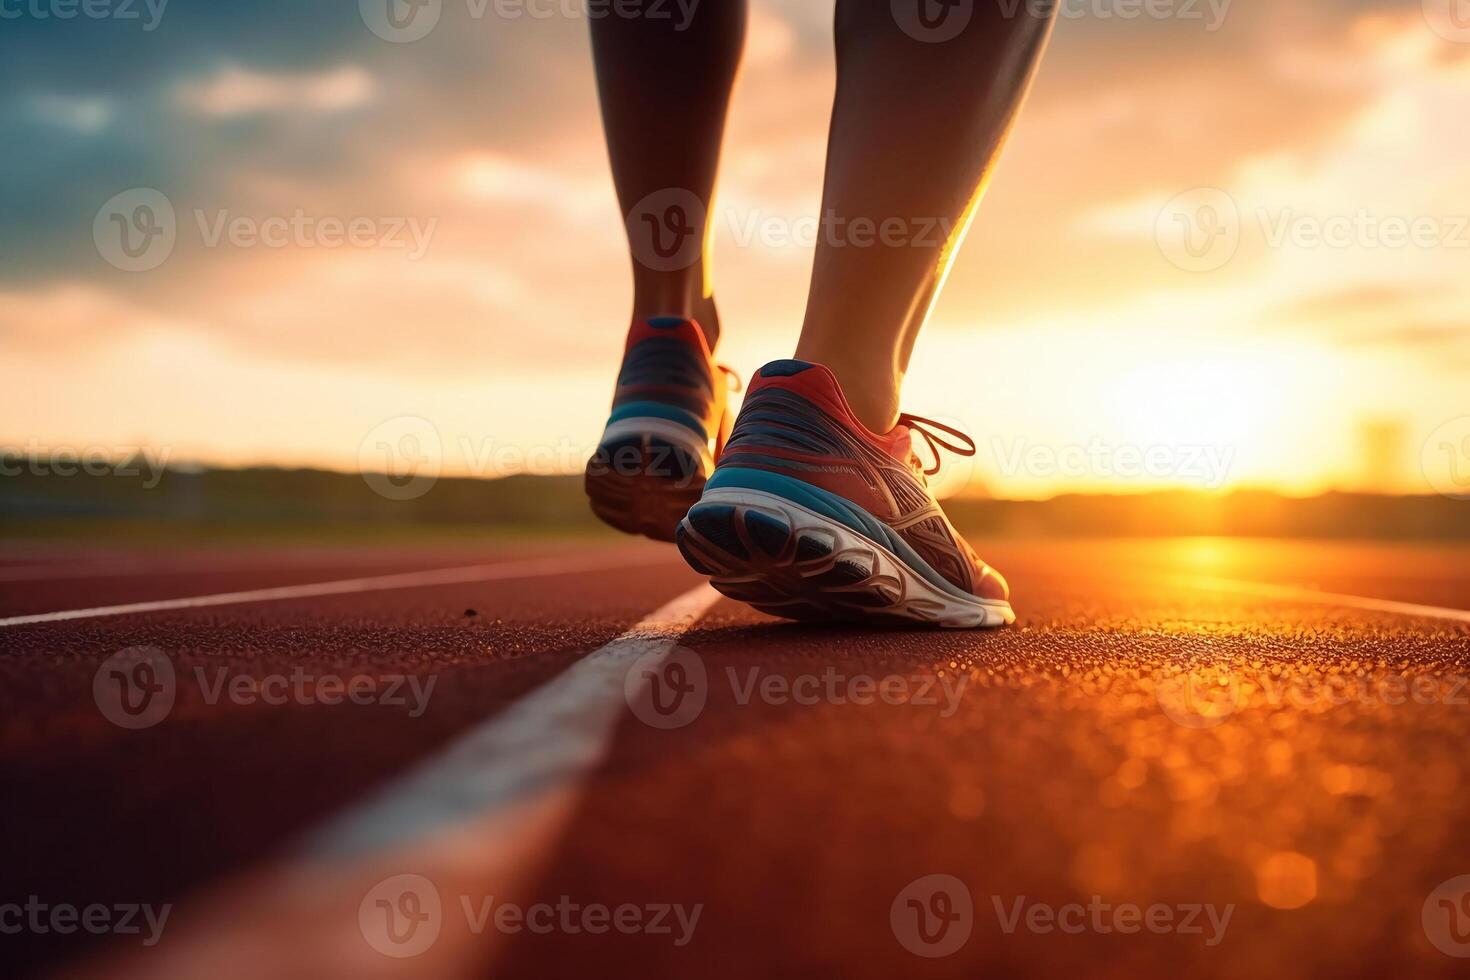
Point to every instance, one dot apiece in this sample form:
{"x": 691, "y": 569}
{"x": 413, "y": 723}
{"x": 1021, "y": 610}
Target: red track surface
{"x": 1056, "y": 776}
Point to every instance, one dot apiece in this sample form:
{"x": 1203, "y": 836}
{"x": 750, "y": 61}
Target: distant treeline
{"x": 296, "y": 496}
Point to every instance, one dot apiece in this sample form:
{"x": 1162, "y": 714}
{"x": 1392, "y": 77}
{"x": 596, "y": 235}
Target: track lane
{"x": 1031, "y": 784}
{"x": 216, "y": 786}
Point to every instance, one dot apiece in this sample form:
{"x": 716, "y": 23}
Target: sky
{"x": 1227, "y": 245}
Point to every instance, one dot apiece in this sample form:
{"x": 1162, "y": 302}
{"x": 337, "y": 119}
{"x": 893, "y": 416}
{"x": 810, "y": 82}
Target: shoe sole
{"x": 645, "y": 476}
{"x": 789, "y": 561}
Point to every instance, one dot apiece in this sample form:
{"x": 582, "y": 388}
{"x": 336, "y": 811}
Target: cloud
{"x": 494, "y": 178}
{"x": 1432, "y": 338}
{"x": 236, "y": 91}
{"x": 489, "y": 127}
{"x": 62, "y": 317}
{"x": 85, "y": 115}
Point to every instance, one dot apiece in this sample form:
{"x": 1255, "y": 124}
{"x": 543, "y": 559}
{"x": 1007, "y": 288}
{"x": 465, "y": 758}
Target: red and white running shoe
{"x": 809, "y": 515}
{"x": 668, "y": 420}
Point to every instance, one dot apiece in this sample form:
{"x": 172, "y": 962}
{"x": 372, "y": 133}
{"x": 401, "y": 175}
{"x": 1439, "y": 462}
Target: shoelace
{"x": 733, "y": 381}
{"x": 921, "y": 426}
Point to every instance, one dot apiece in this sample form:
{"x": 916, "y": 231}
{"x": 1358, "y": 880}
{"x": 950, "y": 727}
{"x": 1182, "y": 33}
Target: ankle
{"x": 678, "y": 300}
{"x": 871, "y": 392}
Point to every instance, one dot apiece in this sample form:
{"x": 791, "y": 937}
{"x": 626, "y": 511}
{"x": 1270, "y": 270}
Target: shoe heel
{"x": 643, "y": 482}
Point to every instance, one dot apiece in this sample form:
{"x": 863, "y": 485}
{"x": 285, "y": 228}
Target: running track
{"x": 1175, "y": 723}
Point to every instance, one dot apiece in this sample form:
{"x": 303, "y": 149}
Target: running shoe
{"x": 668, "y": 421}
{"x": 809, "y": 515}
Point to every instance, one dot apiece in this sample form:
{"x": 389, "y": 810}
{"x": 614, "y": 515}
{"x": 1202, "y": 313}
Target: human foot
{"x": 667, "y": 423}
{"x": 810, "y": 515}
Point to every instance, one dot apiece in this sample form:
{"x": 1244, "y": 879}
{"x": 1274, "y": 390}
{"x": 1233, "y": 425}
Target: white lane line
{"x": 530, "y": 568}
{"x": 1294, "y": 593}
{"x": 547, "y": 741}
{"x": 193, "y": 564}
{"x": 479, "y": 818}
